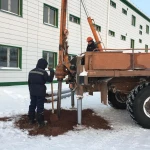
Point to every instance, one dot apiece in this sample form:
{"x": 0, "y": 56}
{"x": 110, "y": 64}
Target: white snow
{"x": 125, "y": 135}
{"x": 10, "y": 68}
{"x": 84, "y": 73}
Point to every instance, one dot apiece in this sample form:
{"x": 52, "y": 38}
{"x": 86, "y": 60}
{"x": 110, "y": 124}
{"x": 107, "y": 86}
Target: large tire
{"x": 116, "y": 101}
{"x": 138, "y": 105}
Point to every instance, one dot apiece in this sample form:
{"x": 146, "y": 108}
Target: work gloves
{"x": 52, "y": 73}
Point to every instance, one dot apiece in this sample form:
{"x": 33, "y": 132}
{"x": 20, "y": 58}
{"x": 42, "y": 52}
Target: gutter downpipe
{"x": 107, "y": 26}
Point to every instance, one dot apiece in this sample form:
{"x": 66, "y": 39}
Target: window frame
{"x": 75, "y": 17}
{"x": 19, "y": 57}
{"x": 141, "y": 27}
{"x": 146, "y": 48}
{"x": 132, "y": 40}
{"x": 124, "y": 11}
{"x": 111, "y": 33}
{"x": 140, "y": 32}
{"x": 55, "y": 57}
{"x": 133, "y": 20}
{"x": 113, "y": 4}
{"x": 96, "y": 27}
{"x": 123, "y": 38}
{"x": 147, "y": 29}
{"x": 56, "y": 10}
{"x": 12, "y": 13}
{"x": 140, "y": 40}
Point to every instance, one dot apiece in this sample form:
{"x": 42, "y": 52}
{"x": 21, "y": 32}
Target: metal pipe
{"x": 81, "y": 25}
{"x": 62, "y": 28}
{"x": 49, "y": 99}
{"x": 59, "y": 98}
{"x": 79, "y": 111}
{"x": 72, "y": 99}
{"x": 108, "y": 12}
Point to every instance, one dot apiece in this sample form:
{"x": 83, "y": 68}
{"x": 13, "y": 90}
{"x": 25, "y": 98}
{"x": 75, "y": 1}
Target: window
{"x": 11, "y": 6}
{"x": 10, "y": 56}
{"x": 141, "y": 27}
{"x": 97, "y": 27}
{"x": 50, "y": 15}
{"x": 51, "y": 58}
{"x": 124, "y": 11}
{"x": 147, "y": 29}
{"x": 140, "y": 41}
{"x": 140, "y": 32}
{"x": 132, "y": 44}
{"x": 111, "y": 33}
{"x": 146, "y": 48}
{"x": 123, "y": 37}
{"x": 133, "y": 20}
{"x": 113, "y": 4}
{"x": 74, "y": 19}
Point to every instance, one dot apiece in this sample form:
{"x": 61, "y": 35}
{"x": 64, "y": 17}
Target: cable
{"x": 85, "y": 9}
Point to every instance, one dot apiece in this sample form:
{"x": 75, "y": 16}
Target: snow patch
{"x": 125, "y": 134}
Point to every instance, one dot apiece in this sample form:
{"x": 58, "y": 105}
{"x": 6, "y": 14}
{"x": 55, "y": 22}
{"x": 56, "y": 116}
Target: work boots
{"x": 40, "y": 119}
{"x": 31, "y": 116}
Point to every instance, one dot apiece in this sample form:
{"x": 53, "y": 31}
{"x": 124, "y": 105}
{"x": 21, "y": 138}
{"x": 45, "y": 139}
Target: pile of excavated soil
{"x": 66, "y": 122}
{"x": 5, "y": 119}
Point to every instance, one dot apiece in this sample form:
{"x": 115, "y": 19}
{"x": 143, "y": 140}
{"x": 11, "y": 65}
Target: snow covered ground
{"x": 125, "y": 135}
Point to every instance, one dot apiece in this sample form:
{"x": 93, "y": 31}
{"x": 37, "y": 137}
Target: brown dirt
{"x": 66, "y": 122}
{"x": 6, "y": 119}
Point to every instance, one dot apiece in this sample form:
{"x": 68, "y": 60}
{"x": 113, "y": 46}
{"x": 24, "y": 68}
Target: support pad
{"x": 79, "y": 127}
{"x": 73, "y": 108}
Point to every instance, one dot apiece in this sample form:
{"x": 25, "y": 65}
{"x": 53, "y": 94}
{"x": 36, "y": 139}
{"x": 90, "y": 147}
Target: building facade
{"x": 29, "y": 30}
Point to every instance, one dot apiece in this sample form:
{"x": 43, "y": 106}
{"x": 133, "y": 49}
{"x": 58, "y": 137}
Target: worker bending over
{"x": 36, "y": 81}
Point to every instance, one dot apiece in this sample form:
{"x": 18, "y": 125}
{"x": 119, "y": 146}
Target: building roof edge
{"x": 129, "y": 4}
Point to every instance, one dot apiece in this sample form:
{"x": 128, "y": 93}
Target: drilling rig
{"x": 123, "y": 79}
{"x": 66, "y": 67}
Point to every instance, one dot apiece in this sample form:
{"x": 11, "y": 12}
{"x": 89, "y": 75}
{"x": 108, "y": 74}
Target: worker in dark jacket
{"x": 92, "y": 46}
{"x": 36, "y": 81}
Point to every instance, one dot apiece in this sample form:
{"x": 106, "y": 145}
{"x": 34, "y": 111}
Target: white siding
{"x": 121, "y": 24}
{"x": 33, "y": 36}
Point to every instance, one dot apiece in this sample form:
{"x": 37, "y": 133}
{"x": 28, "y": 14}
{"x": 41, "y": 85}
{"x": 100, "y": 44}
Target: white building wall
{"x": 74, "y": 38}
{"x": 121, "y": 25}
{"x": 33, "y": 36}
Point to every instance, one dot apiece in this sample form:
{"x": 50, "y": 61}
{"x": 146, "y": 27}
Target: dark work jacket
{"x": 38, "y": 77}
{"x": 91, "y": 47}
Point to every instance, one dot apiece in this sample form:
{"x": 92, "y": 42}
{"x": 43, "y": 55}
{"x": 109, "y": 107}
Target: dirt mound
{"x": 6, "y": 119}
{"x": 65, "y": 123}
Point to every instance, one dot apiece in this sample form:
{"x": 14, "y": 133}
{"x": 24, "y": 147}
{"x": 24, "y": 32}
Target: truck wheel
{"x": 138, "y": 105}
{"x": 117, "y": 100}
